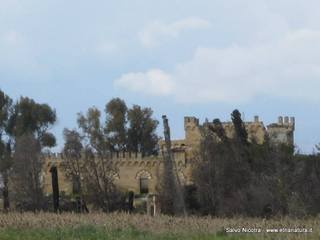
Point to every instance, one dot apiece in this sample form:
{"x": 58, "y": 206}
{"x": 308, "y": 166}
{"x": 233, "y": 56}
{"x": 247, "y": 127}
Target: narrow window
{"x": 144, "y": 185}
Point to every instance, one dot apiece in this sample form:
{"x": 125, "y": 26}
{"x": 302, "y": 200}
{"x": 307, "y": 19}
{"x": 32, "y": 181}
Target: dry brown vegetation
{"x": 158, "y": 224}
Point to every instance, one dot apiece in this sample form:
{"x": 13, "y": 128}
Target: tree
{"x": 218, "y": 129}
{"x": 236, "y": 177}
{"x": 317, "y": 149}
{"x": 5, "y": 146}
{"x": 5, "y": 111}
{"x": 29, "y": 117}
{"x": 93, "y": 132}
{"x": 98, "y": 171}
{"x": 5, "y": 166}
{"x": 210, "y": 170}
{"x": 99, "y": 141}
{"x": 28, "y": 126}
{"x": 141, "y": 133}
{"x": 240, "y": 129}
{"x": 116, "y": 111}
{"x": 306, "y": 180}
{"x": 73, "y": 160}
{"x": 26, "y": 177}
{"x": 72, "y": 152}
{"x": 215, "y": 172}
{"x": 227, "y": 183}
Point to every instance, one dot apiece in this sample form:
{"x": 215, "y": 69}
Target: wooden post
{"x": 130, "y": 201}
{"x": 76, "y": 192}
{"x": 154, "y": 205}
{"x": 55, "y": 188}
{"x": 5, "y": 192}
{"x": 149, "y": 212}
{"x": 151, "y": 205}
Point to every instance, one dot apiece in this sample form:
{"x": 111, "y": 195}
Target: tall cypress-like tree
{"x": 239, "y": 126}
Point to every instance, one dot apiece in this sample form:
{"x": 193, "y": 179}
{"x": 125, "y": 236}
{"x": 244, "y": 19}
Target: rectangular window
{"x": 144, "y": 185}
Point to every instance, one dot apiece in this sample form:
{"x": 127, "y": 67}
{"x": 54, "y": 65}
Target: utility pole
{"x": 171, "y": 172}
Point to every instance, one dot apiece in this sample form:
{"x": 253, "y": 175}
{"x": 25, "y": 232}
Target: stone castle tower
{"x": 280, "y": 132}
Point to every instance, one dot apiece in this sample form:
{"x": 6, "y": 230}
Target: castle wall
{"x": 129, "y": 171}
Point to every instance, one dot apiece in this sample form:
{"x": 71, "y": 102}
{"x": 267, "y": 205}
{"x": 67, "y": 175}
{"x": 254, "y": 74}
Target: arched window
{"x": 144, "y": 185}
{"x": 143, "y": 178}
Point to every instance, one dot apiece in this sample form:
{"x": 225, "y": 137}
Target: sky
{"x": 200, "y": 58}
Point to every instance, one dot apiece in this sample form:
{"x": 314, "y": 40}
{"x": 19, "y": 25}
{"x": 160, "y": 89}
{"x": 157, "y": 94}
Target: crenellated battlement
{"x": 284, "y": 122}
{"x": 123, "y": 157}
{"x": 279, "y": 132}
{"x": 191, "y": 121}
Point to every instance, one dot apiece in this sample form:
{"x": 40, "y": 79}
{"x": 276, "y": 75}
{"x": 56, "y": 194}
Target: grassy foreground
{"x": 93, "y": 233}
{"x": 46, "y": 226}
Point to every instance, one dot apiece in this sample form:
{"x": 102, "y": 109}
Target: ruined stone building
{"x": 140, "y": 174}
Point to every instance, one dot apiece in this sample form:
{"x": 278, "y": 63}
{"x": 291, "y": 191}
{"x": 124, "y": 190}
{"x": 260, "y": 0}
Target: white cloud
{"x": 153, "y": 82}
{"x": 156, "y": 33}
{"x": 287, "y": 67}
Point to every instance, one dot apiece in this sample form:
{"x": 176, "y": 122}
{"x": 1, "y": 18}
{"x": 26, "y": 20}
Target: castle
{"x": 140, "y": 174}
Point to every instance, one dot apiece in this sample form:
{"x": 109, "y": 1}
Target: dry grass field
{"x": 42, "y": 226}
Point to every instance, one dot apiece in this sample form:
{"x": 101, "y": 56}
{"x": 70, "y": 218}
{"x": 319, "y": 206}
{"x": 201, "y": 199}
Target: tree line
{"x": 25, "y": 136}
{"x": 231, "y": 176}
